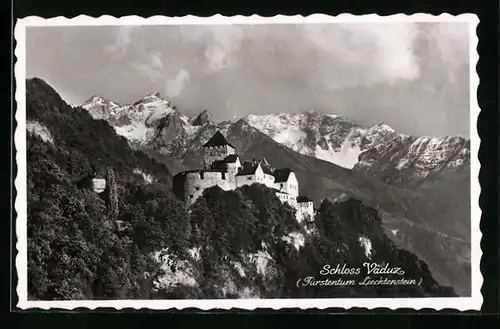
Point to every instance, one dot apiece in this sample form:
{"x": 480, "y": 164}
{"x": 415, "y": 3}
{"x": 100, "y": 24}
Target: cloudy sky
{"x": 414, "y": 77}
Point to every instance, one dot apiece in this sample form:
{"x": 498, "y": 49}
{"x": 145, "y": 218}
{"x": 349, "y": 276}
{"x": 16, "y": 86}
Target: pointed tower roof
{"x": 266, "y": 167}
{"x": 217, "y": 140}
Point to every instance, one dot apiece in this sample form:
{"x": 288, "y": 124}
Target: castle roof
{"x": 281, "y": 175}
{"x": 302, "y": 198}
{"x": 231, "y": 158}
{"x": 248, "y": 168}
{"x": 217, "y": 140}
{"x": 219, "y": 164}
{"x": 266, "y": 167}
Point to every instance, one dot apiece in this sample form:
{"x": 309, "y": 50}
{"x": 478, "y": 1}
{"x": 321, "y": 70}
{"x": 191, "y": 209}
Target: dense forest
{"x": 215, "y": 249}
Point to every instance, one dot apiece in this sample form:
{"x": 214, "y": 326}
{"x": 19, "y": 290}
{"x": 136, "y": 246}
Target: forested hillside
{"x": 242, "y": 243}
{"x": 74, "y": 247}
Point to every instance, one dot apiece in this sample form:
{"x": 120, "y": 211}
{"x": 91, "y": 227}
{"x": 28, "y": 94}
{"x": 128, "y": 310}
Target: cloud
{"x": 219, "y": 43}
{"x": 452, "y": 42}
{"x": 122, "y": 40}
{"x": 174, "y": 87}
{"x": 363, "y": 53}
{"x": 147, "y": 63}
{"x": 152, "y": 67}
{"x": 147, "y": 71}
{"x": 339, "y": 55}
{"x": 156, "y": 61}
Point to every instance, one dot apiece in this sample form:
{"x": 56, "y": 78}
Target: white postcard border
{"x": 473, "y": 302}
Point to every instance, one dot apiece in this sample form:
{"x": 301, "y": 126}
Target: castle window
{"x": 197, "y": 188}
{"x": 281, "y": 185}
{"x": 249, "y": 178}
{"x": 191, "y": 196}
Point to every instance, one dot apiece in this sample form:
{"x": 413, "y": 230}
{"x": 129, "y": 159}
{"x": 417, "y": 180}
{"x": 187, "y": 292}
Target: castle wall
{"x": 291, "y": 186}
{"x": 232, "y": 168}
{"x": 178, "y": 183}
{"x": 231, "y": 173}
{"x": 269, "y": 180}
{"x": 196, "y": 182}
{"x": 257, "y": 177}
{"x": 98, "y": 185}
{"x": 245, "y": 180}
{"x": 304, "y": 210}
{"x": 284, "y": 197}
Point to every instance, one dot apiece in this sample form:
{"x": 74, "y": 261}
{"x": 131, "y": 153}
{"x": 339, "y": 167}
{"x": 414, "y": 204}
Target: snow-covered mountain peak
{"x": 153, "y": 97}
{"x": 381, "y": 126}
{"x": 96, "y": 100}
{"x": 138, "y": 121}
{"x": 100, "y": 108}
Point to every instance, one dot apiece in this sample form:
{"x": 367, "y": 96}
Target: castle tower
{"x": 216, "y": 149}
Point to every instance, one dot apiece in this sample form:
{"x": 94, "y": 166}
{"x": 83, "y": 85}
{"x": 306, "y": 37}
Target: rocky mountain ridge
{"x": 395, "y": 158}
{"x": 380, "y": 151}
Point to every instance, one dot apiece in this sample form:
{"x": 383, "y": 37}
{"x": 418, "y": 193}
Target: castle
{"x": 223, "y": 168}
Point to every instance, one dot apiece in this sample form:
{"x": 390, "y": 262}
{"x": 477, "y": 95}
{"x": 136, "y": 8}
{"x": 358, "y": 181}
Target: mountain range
{"x": 420, "y": 185}
{"x": 395, "y": 158}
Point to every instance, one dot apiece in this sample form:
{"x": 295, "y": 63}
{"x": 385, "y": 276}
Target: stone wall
{"x": 284, "y": 197}
{"x": 245, "y": 180}
{"x": 196, "y": 182}
{"x": 305, "y": 209}
{"x": 215, "y": 153}
{"x": 178, "y": 183}
{"x": 98, "y": 185}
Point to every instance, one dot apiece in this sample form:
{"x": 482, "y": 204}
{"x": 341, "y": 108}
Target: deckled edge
{"x": 461, "y": 304}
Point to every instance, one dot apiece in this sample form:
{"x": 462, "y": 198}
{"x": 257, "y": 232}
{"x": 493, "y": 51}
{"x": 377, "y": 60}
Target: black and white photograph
{"x": 247, "y": 162}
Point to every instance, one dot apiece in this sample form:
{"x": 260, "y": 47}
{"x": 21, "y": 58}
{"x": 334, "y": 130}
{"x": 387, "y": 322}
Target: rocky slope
{"x": 347, "y": 233}
{"x": 420, "y": 186}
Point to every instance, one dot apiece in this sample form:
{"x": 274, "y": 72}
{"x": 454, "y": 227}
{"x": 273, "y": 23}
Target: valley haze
{"x": 309, "y": 161}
